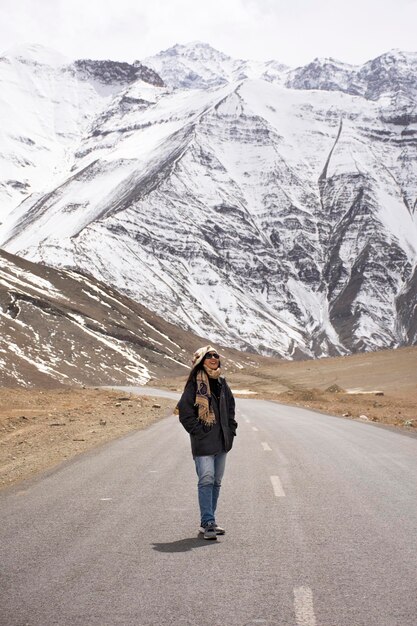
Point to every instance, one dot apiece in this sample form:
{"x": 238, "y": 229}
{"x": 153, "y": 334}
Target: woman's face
{"x": 211, "y": 360}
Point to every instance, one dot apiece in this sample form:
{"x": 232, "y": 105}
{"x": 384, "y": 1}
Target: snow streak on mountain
{"x": 267, "y": 208}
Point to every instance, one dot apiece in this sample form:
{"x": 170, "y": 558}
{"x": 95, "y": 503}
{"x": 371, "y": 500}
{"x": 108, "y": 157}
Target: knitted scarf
{"x": 202, "y": 399}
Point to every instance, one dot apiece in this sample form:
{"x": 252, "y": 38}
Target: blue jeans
{"x": 210, "y": 470}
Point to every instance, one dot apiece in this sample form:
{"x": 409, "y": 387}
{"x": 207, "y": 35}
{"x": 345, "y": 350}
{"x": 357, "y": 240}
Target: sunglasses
{"x": 212, "y": 355}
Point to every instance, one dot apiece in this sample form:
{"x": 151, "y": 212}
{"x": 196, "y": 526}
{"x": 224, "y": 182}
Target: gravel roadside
{"x": 41, "y": 428}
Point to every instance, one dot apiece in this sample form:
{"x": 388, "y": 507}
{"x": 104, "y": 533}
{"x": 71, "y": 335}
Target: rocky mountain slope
{"x": 62, "y": 327}
{"x": 271, "y": 209}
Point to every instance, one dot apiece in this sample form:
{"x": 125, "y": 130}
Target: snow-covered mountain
{"x": 47, "y": 104}
{"x": 199, "y": 66}
{"x": 63, "y": 327}
{"x": 271, "y": 209}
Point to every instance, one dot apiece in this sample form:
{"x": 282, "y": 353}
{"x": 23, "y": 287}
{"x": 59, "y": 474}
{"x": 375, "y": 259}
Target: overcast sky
{"x": 291, "y": 31}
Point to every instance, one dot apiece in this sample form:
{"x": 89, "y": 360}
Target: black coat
{"x": 207, "y": 440}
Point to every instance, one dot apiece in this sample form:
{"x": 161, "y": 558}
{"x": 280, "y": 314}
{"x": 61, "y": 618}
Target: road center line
{"x": 247, "y": 421}
{"x": 277, "y": 486}
{"x": 254, "y": 428}
{"x": 266, "y": 447}
{"x": 303, "y": 605}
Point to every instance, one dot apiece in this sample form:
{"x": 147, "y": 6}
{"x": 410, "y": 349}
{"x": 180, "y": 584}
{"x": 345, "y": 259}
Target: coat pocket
{"x": 202, "y": 433}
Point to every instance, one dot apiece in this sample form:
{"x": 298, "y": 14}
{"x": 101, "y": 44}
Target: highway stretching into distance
{"x": 321, "y": 530}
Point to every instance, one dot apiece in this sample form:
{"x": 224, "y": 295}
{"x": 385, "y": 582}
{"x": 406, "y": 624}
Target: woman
{"x": 207, "y": 412}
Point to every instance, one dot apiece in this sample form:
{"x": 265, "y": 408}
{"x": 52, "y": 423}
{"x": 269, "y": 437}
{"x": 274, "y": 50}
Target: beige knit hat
{"x": 199, "y": 354}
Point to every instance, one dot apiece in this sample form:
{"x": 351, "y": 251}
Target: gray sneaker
{"x": 210, "y": 531}
{"x": 219, "y": 530}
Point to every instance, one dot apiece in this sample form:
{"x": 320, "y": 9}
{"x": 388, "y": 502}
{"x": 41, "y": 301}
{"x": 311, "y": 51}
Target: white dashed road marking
{"x": 254, "y": 428}
{"x": 303, "y": 605}
{"x": 266, "y": 447}
{"x": 276, "y": 484}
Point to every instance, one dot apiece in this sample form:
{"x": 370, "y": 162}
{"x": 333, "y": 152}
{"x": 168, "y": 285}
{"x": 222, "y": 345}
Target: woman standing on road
{"x": 207, "y": 412}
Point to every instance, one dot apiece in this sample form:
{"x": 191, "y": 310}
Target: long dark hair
{"x": 193, "y": 374}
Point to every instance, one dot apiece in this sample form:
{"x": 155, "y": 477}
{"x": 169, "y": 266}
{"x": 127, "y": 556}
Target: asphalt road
{"x": 320, "y": 513}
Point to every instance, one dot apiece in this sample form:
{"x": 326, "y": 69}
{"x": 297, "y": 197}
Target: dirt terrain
{"x": 378, "y": 387}
{"x": 40, "y": 428}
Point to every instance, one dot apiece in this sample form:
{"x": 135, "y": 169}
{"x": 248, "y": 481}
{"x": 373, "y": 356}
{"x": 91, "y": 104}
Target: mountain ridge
{"x": 267, "y": 217}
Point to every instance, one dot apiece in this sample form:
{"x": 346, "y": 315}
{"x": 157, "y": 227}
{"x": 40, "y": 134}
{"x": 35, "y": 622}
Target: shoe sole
{"x": 222, "y": 532}
{"x": 201, "y": 534}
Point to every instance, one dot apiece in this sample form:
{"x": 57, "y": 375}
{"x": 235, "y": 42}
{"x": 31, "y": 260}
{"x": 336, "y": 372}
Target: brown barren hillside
{"x": 376, "y": 386}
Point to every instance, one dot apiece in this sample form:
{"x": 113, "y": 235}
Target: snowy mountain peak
{"x": 395, "y": 62}
{"x": 35, "y": 54}
{"x": 196, "y": 50}
{"x": 200, "y": 66}
{"x": 330, "y": 62}
{"x": 395, "y": 55}
{"x": 322, "y": 73}
{"x": 390, "y": 75}
{"x": 385, "y": 77}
